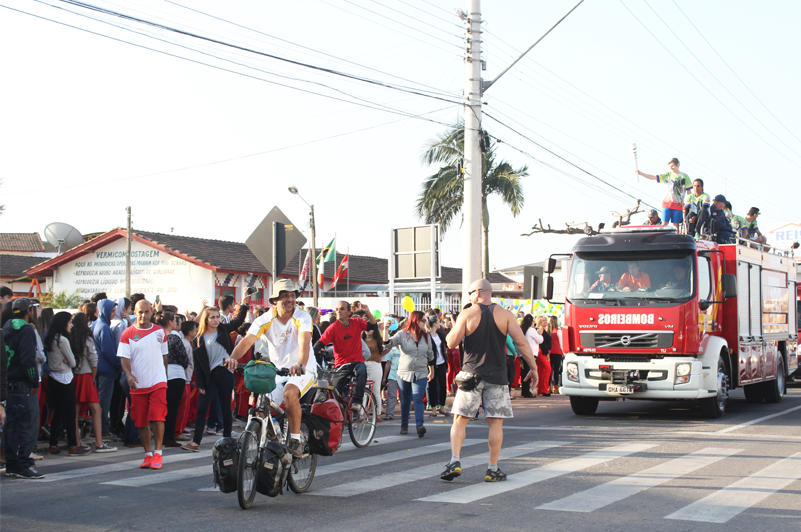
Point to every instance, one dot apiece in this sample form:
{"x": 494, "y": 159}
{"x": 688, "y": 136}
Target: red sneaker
{"x": 148, "y": 462}
{"x": 156, "y": 463}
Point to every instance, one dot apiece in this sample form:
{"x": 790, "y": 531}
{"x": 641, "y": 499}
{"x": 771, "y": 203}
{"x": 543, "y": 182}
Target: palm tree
{"x": 442, "y": 194}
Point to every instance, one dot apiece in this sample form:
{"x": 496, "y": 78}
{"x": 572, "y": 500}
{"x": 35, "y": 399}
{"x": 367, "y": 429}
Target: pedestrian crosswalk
{"x": 395, "y": 461}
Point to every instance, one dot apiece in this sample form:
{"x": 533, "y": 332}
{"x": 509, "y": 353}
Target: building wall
{"x": 153, "y": 272}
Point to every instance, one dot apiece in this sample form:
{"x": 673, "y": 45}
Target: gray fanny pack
{"x": 467, "y": 381}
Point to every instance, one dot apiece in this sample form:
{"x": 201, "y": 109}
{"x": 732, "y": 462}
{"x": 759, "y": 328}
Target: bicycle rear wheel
{"x": 248, "y": 462}
{"x": 361, "y": 424}
{"x": 301, "y": 472}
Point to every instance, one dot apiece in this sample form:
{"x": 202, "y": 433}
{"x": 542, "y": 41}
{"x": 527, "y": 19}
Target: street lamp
{"x": 294, "y": 190}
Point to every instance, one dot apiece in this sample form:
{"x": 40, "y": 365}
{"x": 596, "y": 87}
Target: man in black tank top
{"x": 484, "y": 327}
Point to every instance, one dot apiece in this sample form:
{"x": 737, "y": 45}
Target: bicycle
{"x": 361, "y": 425}
{"x": 267, "y": 422}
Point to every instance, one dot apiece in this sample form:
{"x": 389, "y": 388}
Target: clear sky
{"x": 91, "y": 125}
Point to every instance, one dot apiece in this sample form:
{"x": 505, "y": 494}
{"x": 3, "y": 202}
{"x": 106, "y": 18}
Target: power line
{"x": 406, "y": 25}
{"x": 381, "y": 108}
{"x": 719, "y": 82}
{"x": 123, "y": 16}
{"x": 565, "y": 160}
{"x": 437, "y": 91}
{"x": 105, "y": 181}
{"x": 706, "y": 88}
{"x": 735, "y": 73}
{"x": 414, "y": 18}
{"x": 433, "y": 15}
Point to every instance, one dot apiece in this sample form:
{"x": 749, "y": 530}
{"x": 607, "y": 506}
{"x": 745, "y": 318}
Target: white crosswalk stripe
{"x": 120, "y": 466}
{"x": 622, "y": 488}
{"x": 721, "y": 506}
{"x": 477, "y": 492}
{"x": 431, "y": 470}
{"x": 182, "y": 474}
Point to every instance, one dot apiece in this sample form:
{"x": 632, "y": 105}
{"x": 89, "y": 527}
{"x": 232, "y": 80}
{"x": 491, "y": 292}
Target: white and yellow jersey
{"x": 280, "y": 341}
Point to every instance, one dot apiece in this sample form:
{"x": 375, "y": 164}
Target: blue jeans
{"x": 21, "y": 427}
{"x": 105, "y": 389}
{"x": 413, "y": 390}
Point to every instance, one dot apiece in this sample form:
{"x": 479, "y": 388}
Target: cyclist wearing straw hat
{"x": 286, "y": 331}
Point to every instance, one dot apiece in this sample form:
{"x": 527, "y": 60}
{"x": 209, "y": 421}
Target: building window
{"x": 224, "y": 291}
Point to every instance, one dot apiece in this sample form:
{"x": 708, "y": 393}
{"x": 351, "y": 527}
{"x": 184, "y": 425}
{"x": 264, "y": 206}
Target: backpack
{"x": 259, "y": 376}
{"x": 273, "y": 469}
{"x": 224, "y": 463}
{"x": 325, "y": 422}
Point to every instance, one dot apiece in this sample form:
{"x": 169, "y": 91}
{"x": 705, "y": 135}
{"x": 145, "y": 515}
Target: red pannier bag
{"x": 325, "y": 427}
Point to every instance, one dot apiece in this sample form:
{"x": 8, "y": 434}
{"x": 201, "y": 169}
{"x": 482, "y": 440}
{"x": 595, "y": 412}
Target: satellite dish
{"x": 63, "y": 236}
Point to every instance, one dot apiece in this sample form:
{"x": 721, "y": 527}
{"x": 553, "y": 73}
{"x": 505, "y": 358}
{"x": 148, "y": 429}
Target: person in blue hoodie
{"x": 109, "y": 367}
{"x": 23, "y": 384}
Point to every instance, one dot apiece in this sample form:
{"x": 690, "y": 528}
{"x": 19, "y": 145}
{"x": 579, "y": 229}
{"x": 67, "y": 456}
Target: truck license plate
{"x": 619, "y": 388}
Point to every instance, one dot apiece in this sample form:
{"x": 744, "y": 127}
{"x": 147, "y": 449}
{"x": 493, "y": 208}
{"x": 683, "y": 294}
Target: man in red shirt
{"x": 346, "y": 335}
{"x": 143, "y": 354}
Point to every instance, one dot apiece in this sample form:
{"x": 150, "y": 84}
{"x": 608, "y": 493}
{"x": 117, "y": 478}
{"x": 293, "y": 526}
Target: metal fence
{"x": 449, "y": 303}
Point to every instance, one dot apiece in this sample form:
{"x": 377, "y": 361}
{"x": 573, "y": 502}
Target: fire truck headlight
{"x": 572, "y": 371}
{"x": 683, "y": 369}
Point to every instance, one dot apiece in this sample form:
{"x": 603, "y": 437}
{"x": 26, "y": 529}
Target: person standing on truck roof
{"x": 634, "y": 279}
{"x": 604, "y": 283}
{"x": 696, "y": 202}
{"x": 676, "y": 184}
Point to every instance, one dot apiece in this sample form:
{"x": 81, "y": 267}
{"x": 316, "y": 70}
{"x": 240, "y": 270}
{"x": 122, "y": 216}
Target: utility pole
{"x": 471, "y": 269}
{"x": 313, "y": 260}
{"x": 128, "y": 257}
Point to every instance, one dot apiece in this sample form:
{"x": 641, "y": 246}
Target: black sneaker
{"x": 30, "y": 472}
{"x": 296, "y": 448}
{"x": 494, "y": 476}
{"x": 452, "y": 471}
{"x": 421, "y": 431}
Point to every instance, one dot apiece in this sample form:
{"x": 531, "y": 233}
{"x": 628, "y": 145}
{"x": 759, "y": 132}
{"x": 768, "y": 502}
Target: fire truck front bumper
{"x": 666, "y": 378}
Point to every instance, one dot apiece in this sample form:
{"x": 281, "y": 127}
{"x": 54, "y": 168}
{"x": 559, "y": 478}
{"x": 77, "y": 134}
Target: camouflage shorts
{"x": 495, "y": 397}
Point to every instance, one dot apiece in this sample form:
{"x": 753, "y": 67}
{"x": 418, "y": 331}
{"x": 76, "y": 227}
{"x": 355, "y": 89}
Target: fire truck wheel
{"x": 714, "y": 407}
{"x": 583, "y": 406}
{"x": 775, "y": 389}
{"x": 754, "y": 393}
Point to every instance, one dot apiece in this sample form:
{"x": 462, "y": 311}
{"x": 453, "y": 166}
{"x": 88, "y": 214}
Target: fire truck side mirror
{"x": 549, "y": 265}
{"x": 729, "y": 286}
{"x": 549, "y": 288}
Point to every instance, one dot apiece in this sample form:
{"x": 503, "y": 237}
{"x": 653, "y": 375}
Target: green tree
{"x": 442, "y": 194}
{"x": 60, "y": 300}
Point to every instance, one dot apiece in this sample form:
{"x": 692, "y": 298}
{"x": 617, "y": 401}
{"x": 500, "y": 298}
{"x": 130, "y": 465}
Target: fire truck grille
{"x": 627, "y": 340}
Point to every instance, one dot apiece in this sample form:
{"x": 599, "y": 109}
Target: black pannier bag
{"x": 225, "y": 463}
{"x": 273, "y": 469}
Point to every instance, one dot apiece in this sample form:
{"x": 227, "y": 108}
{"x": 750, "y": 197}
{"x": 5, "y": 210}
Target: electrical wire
{"x": 415, "y": 18}
{"x": 436, "y": 91}
{"x": 706, "y": 88}
{"x": 406, "y": 25}
{"x": 735, "y": 73}
{"x": 433, "y": 15}
{"x": 375, "y": 106}
{"x": 719, "y": 82}
{"x": 211, "y": 163}
{"x": 123, "y": 16}
{"x": 564, "y": 159}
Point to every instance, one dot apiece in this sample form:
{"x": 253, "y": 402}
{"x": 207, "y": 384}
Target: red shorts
{"x": 148, "y": 406}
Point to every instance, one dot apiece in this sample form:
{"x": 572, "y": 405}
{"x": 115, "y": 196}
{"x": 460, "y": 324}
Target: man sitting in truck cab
{"x": 604, "y": 283}
{"x": 634, "y": 279}
{"x": 681, "y": 277}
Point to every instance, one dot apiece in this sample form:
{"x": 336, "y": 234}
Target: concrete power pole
{"x": 128, "y": 257}
{"x": 472, "y": 150}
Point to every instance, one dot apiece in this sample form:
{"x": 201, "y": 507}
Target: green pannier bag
{"x": 259, "y": 376}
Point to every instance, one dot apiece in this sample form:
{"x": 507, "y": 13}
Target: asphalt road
{"x": 634, "y": 466}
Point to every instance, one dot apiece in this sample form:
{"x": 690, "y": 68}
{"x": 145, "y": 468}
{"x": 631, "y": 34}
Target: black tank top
{"x": 484, "y": 349}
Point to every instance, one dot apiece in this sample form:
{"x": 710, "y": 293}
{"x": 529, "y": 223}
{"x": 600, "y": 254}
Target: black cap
{"x": 652, "y": 213}
{"x": 720, "y": 197}
{"x": 605, "y": 269}
{"x": 20, "y": 306}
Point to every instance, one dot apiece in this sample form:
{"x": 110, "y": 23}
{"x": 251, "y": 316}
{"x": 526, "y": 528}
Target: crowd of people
{"x": 694, "y": 212}
{"x": 141, "y": 374}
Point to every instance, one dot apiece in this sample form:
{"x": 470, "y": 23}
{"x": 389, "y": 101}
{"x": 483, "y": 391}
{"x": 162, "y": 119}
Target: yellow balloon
{"x": 408, "y": 304}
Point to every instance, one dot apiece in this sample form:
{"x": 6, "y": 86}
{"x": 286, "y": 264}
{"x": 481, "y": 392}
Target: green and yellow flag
{"x": 329, "y": 252}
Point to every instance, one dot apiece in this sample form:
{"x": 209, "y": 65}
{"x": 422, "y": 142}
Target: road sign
{"x": 275, "y": 241}
{"x": 411, "y": 252}
{"x": 532, "y": 282}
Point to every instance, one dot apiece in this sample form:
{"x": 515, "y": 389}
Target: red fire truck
{"x": 653, "y": 314}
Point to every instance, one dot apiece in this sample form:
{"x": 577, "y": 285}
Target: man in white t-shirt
{"x": 143, "y": 354}
{"x": 286, "y": 332}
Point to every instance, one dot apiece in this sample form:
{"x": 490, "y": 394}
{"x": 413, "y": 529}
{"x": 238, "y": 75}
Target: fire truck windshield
{"x": 631, "y": 279}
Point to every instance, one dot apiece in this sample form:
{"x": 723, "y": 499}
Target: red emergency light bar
{"x": 641, "y": 229}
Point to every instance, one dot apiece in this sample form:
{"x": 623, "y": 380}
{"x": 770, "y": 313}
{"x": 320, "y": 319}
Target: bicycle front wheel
{"x": 301, "y": 472}
{"x": 248, "y": 463}
{"x": 361, "y": 424}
